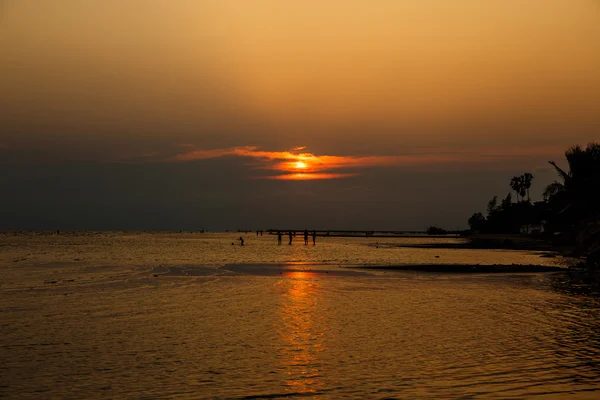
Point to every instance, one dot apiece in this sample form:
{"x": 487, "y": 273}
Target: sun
{"x": 300, "y": 165}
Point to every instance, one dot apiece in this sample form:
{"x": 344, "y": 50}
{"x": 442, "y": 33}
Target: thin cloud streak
{"x": 309, "y": 176}
{"x": 298, "y": 165}
{"x": 306, "y": 166}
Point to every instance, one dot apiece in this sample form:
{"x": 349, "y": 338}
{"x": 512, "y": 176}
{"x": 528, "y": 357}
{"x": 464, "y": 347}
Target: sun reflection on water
{"x": 302, "y": 330}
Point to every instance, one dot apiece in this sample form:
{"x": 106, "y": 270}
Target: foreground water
{"x": 186, "y": 316}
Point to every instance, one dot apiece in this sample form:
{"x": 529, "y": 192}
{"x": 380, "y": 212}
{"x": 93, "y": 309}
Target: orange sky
{"x": 369, "y": 87}
{"x": 337, "y": 68}
{"x": 411, "y": 61}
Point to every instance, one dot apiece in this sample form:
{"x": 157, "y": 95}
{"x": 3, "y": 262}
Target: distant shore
{"x": 491, "y": 242}
{"x": 363, "y": 234}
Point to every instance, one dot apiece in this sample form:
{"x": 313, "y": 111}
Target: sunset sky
{"x": 329, "y": 114}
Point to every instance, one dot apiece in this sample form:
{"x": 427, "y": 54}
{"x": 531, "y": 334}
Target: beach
{"x": 299, "y": 200}
{"x": 189, "y": 315}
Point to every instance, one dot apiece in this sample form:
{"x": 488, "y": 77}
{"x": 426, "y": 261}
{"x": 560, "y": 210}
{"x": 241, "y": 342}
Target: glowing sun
{"x": 300, "y": 165}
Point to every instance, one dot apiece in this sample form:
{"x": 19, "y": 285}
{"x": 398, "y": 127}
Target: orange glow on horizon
{"x": 300, "y": 165}
{"x": 297, "y": 166}
{"x": 290, "y": 162}
{"x": 309, "y": 176}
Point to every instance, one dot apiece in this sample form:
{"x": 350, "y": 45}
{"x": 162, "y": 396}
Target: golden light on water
{"x": 301, "y": 332}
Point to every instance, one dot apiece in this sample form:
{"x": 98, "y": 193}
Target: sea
{"x": 192, "y": 315}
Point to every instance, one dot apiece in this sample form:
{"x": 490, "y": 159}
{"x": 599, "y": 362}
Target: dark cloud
{"x": 220, "y": 194}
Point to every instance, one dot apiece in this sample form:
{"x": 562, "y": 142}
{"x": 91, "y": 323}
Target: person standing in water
{"x": 305, "y": 237}
{"x": 278, "y": 238}
{"x": 290, "y": 235}
{"x": 314, "y": 237}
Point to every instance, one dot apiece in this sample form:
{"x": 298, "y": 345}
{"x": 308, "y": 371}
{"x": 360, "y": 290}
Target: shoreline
{"x": 332, "y": 270}
{"x": 491, "y": 242}
{"x": 468, "y": 268}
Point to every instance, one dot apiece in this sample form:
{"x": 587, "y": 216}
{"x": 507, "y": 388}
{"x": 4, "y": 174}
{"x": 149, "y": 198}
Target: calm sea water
{"x": 186, "y": 316}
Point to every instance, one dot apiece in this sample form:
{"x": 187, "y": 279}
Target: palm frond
{"x": 552, "y": 189}
{"x": 561, "y": 173}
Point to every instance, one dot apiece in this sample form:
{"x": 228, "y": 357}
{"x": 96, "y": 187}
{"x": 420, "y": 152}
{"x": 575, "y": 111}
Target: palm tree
{"x": 580, "y": 186}
{"x": 526, "y": 182}
{"x": 553, "y": 189}
{"x": 516, "y": 184}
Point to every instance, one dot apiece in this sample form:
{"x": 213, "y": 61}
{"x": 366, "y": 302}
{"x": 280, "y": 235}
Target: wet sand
{"x": 545, "y": 248}
{"x": 468, "y": 268}
{"x": 348, "y": 270}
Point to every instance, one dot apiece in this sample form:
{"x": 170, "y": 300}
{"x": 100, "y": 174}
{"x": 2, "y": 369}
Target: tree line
{"x": 570, "y": 208}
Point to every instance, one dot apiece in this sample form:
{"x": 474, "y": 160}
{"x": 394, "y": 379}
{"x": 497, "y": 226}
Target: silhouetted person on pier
{"x": 314, "y": 237}
{"x": 279, "y": 238}
{"x": 290, "y": 235}
{"x": 241, "y": 239}
{"x": 305, "y": 237}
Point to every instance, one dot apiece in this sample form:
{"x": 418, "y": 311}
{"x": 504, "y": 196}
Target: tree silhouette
{"x": 526, "y": 179}
{"x": 553, "y": 189}
{"x": 477, "y": 222}
{"x": 492, "y": 206}
{"x": 521, "y": 185}
{"x": 515, "y": 184}
{"x": 571, "y": 204}
{"x": 580, "y": 186}
{"x": 506, "y": 203}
